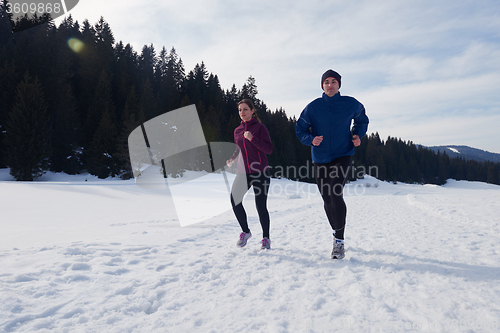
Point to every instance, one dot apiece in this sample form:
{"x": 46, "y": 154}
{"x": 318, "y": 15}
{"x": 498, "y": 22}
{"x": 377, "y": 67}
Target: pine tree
{"x": 147, "y": 101}
{"x": 132, "y": 118}
{"x": 101, "y": 102}
{"x": 230, "y": 112}
{"x": 104, "y": 41}
{"x": 8, "y": 80}
{"x": 147, "y": 64}
{"x": 66, "y": 134}
{"x": 373, "y": 148}
{"x": 62, "y": 106}
{"x": 87, "y": 76}
{"x": 5, "y": 27}
{"x": 493, "y": 173}
{"x": 125, "y": 72}
{"x": 196, "y": 84}
{"x": 214, "y": 92}
{"x": 170, "y": 75}
{"x": 27, "y": 138}
{"x": 249, "y": 89}
{"x": 176, "y": 68}
{"x": 100, "y": 160}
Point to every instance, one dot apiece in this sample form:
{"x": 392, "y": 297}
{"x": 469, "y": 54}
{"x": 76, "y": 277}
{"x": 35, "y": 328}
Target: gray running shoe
{"x": 266, "y": 244}
{"x": 338, "y": 249}
{"x": 243, "y": 239}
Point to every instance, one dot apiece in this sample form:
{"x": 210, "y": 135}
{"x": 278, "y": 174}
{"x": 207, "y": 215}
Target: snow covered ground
{"x": 78, "y": 254}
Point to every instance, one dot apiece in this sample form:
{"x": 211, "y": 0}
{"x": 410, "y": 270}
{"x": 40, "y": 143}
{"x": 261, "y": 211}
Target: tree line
{"x": 70, "y": 95}
{"x": 398, "y": 160}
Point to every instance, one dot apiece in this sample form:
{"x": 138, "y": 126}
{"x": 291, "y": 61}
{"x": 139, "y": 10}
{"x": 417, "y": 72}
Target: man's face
{"x": 331, "y": 86}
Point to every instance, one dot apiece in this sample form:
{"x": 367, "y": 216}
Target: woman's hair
{"x": 249, "y": 102}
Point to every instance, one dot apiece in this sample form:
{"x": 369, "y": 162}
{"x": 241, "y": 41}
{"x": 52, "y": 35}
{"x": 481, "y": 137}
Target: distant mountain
{"x": 467, "y": 153}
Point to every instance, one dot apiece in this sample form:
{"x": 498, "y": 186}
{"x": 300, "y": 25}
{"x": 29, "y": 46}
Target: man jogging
{"x": 333, "y": 125}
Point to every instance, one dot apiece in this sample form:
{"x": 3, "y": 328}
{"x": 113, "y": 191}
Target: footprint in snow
{"x": 77, "y": 278}
{"x": 118, "y": 272}
{"x": 81, "y": 267}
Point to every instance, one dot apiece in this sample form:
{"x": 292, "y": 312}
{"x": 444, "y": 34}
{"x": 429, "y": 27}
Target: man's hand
{"x": 356, "y": 140}
{"x": 317, "y": 140}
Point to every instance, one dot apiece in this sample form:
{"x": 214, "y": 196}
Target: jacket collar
{"x": 332, "y": 99}
{"x": 251, "y": 121}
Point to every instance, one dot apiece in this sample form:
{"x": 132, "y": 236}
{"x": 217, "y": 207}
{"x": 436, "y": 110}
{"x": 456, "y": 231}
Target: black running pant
{"x": 260, "y": 183}
{"x": 330, "y": 178}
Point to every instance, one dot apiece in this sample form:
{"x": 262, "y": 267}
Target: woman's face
{"x": 245, "y": 112}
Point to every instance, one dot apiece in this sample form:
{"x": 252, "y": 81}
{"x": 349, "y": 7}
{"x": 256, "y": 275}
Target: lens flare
{"x": 76, "y": 45}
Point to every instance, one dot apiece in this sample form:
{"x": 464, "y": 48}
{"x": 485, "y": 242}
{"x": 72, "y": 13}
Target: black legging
{"x": 260, "y": 183}
{"x": 330, "y": 178}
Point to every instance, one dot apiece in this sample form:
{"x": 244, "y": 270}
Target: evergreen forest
{"x": 71, "y": 94}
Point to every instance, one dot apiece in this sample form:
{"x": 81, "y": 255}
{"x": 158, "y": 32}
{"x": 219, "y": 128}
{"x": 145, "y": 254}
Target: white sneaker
{"x": 338, "y": 249}
{"x": 243, "y": 239}
{"x": 266, "y": 244}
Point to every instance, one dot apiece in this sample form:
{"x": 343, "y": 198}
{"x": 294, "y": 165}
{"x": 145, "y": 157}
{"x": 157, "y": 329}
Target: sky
{"x": 426, "y": 71}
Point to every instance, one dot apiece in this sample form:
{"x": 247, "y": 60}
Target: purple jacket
{"x": 252, "y": 157}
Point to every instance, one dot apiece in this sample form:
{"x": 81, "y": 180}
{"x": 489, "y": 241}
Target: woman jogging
{"x": 253, "y": 141}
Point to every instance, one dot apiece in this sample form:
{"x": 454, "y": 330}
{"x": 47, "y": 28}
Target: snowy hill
{"x": 467, "y": 153}
{"x": 79, "y": 254}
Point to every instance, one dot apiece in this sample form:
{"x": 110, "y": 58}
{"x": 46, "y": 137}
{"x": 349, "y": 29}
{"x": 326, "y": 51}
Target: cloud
{"x": 402, "y": 59}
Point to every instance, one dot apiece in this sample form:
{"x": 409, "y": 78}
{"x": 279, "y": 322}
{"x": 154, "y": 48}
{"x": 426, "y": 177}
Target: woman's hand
{"x": 248, "y": 135}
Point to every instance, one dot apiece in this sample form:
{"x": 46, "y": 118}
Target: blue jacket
{"x": 331, "y": 117}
